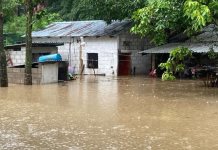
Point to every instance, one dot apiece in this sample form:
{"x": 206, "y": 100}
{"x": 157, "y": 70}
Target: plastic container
{"x": 51, "y": 57}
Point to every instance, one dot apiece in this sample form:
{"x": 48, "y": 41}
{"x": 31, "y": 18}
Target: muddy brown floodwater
{"x": 102, "y": 113}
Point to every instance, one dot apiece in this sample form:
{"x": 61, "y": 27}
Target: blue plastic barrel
{"x": 51, "y": 57}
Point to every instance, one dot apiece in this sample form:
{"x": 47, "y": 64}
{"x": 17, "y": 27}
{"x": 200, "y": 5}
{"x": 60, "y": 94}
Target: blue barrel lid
{"x": 51, "y": 57}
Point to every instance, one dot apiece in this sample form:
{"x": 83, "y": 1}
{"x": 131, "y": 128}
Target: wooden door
{"x": 124, "y": 64}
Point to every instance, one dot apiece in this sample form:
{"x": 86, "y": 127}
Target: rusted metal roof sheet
{"x": 82, "y": 28}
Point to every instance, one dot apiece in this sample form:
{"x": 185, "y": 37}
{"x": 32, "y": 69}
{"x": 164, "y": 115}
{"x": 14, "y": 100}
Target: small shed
{"x": 53, "y": 68}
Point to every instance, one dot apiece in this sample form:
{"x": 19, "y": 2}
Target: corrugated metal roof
{"x": 195, "y": 47}
{"x": 82, "y": 28}
{"x": 33, "y": 45}
{"x": 208, "y": 34}
{"x": 199, "y": 44}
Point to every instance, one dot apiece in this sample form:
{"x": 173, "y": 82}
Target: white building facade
{"x": 109, "y": 55}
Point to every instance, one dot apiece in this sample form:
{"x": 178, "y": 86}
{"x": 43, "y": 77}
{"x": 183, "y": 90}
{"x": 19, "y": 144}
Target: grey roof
{"x": 208, "y": 34}
{"x": 199, "y": 44}
{"x": 33, "y": 45}
{"x": 195, "y": 47}
{"x": 82, "y": 28}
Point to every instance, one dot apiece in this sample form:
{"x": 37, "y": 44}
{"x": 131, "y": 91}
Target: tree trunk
{"x": 216, "y": 21}
{"x": 28, "y": 62}
{"x": 3, "y": 62}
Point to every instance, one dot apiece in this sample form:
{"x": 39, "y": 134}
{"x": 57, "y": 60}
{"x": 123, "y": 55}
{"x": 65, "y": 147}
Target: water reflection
{"x": 109, "y": 113}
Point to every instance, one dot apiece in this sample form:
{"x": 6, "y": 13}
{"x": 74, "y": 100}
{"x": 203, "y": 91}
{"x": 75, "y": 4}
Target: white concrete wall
{"x": 49, "y": 73}
{"x": 141, "y": 63}
{"x": 106, "y": 47}
{"x": 18, "y": 57}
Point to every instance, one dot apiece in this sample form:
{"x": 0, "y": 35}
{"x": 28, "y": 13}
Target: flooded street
{"x": 106, "y": 113}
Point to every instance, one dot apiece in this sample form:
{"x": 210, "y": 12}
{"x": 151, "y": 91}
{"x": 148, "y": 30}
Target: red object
{"x": 153, "y": 73}
{"x": 124, "y": 64}
{"x": 9, "y": 60}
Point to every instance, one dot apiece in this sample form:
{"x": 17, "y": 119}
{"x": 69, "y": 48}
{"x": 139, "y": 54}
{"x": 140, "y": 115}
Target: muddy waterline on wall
{"x": 110, "y": 114}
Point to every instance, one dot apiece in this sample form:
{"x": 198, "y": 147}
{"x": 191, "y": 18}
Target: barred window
{"x": 92, "y": 60}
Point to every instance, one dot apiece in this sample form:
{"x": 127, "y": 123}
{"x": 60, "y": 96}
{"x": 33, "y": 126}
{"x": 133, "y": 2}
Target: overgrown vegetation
{"x": 95, "y": 9}
{"x": 15, "y": 19}
{"x": 175, "y": 63}
{"x": 161, "y": 20}
{"x": 156, "y": 19}
{"x": 17, "y": 24}
{"x": 212, "y": 55}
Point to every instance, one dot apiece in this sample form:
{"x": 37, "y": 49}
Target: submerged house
{"x": 95, "y": 47}
{"x": 200, "y": 44}
{"x": 17, "y": 52}
{"x": 42, "y": 73}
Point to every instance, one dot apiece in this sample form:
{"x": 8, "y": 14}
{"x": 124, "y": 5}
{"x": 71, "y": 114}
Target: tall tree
{"x": 199, "y": 13}
{"x": 95, "y": 9}
{"x": 161, "y": 19}
{"x": 28, "y": 62}
{"x": 3, "y": 63}
{"x": 15, "y": 21}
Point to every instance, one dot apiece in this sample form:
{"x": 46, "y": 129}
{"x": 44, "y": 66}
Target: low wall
{"x": 49, "y": 72}
{"x": 16, "y": 75}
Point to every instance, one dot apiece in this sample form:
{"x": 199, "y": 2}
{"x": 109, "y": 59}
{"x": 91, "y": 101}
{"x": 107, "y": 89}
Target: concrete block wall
{"x": 141, "y": 62}
{"x": 49, "y": 73}
{"x": 18, "y": 57}
{"x": 130, "y": 43}
{"x": 16, "y": 75}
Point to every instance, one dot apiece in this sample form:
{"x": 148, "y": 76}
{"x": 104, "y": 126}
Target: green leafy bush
{"x": 212, "y": 55}
{"x": 175, "y": 63}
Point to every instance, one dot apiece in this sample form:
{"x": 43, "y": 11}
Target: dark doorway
{"x": 62, "y": 71}
{"x": 124, "y": 64}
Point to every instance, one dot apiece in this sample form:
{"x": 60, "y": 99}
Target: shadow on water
{"x": 109, "y": 113}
